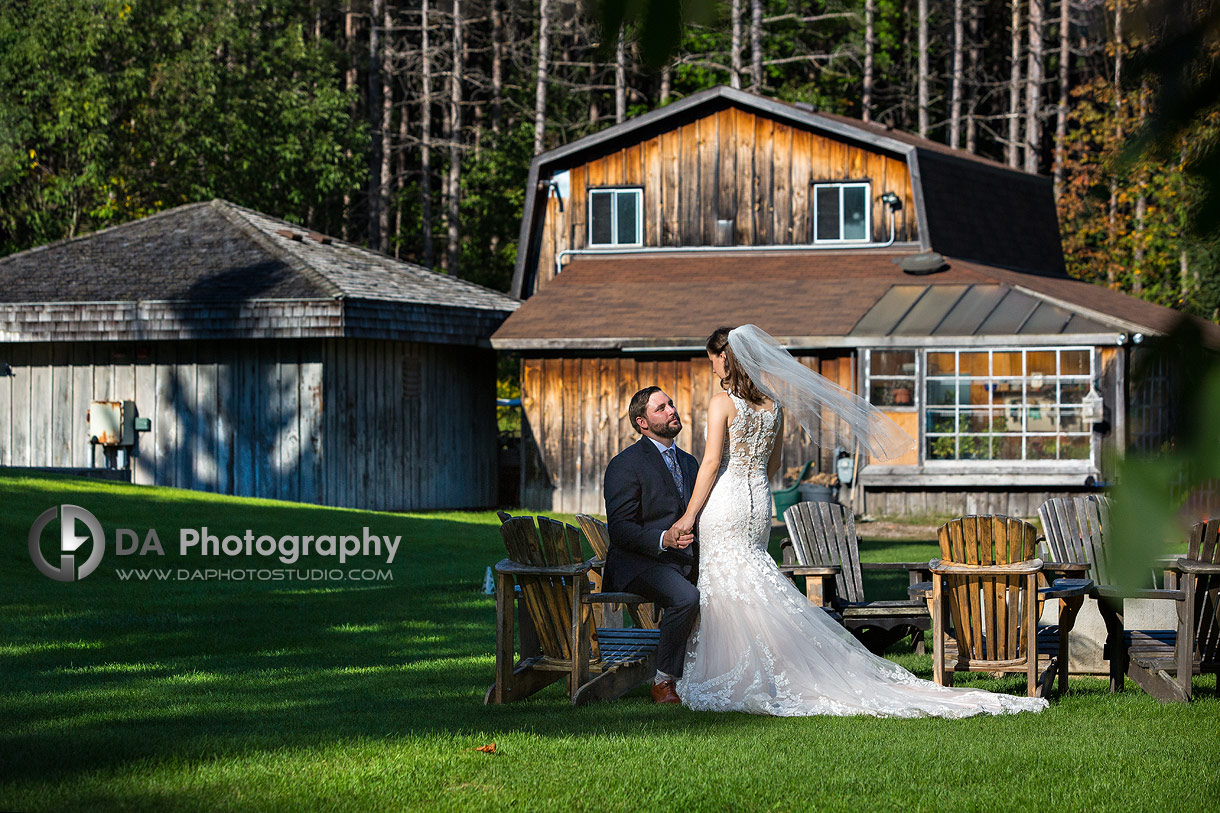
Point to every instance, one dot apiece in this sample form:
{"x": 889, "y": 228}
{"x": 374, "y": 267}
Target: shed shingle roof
{"x": 218, "y": 270}
{"x": 814, "y": 298}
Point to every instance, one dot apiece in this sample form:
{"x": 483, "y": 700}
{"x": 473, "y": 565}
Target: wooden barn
{"x": 244, "y": 355}
{"x": 928, "y": 279}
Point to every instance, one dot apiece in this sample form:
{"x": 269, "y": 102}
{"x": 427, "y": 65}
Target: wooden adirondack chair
{"x": 1149, "y": 656}
{"x": 1076, "y": 532}
{"x": 822, "y": 539}
{"x": 549, "y": 566}
{"x": 644, "y": 615}
{"x": 986, "y": 582}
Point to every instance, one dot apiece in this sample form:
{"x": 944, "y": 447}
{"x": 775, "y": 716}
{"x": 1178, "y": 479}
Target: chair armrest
{"x": 921, "y": 590}
{"x": 1196, "y": 567}
{"x": 1114, "y": 591}
{"x": 1066, "y": 567}
{"x": 802, "y": 570}
{"x": 1031, "y": 566}
{"x": 511, "y": 568}
{"x": 1066, "y": 588}
{"x": 614, "y": 598}
{"x": 894, "y": 566}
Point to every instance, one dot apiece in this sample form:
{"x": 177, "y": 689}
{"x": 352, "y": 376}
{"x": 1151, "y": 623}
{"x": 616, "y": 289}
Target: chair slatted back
{"x": 597, "y": 532}
{"x": 547, "y": 598}
{"x": 823, "y": 534}
{"x": 1204, "y": 546}
{"x": 988, "y": 611}
{"x": 1075, "y": 529}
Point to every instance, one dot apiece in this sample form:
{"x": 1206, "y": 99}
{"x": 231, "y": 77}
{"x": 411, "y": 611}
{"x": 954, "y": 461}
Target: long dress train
{"x": 759, "y": 645}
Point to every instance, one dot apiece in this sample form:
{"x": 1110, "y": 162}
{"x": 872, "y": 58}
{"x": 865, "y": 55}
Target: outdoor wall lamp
{"x": 891, "y": 200}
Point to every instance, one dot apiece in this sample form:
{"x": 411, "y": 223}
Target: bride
{"x": 759, "y": 645}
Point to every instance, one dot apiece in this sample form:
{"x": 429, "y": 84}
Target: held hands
{"x": 681, "y": 535}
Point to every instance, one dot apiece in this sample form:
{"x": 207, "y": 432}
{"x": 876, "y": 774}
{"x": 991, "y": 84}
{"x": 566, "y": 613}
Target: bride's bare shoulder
{"x": 721, "y": 403}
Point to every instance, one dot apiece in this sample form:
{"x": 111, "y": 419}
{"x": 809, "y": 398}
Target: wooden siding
{"x": 575, "y": 420}
{"x": 933, "y": 504}
{"x": 731, "y": 165}
{"x": 322, "y": 421}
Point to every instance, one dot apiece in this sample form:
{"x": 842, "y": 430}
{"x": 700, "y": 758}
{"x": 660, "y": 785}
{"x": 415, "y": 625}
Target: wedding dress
{"x": 759, "y": 646}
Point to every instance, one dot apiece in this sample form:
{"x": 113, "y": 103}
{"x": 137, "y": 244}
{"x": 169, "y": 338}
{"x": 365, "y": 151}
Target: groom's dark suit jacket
{"x": 641, "y": 502}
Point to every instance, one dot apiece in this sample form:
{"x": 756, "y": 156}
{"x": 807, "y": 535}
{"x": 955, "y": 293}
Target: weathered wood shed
{"x": 927, "y": 279}
{"x": 269, "y": 361}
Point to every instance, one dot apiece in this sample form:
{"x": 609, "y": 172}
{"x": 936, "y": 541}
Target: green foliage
{"x": 1152, "y": 488}
{"x": 493, "y": 198}
{"x": 120, "y": 108}
{"x": 1106, "y": 239}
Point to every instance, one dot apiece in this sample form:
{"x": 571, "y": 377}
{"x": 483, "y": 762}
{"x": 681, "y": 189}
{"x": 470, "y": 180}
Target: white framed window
{"x": 616, "y": 217}
{"x": 842, "y": 212}
{"x": 1015, "y": 406}
{"x": 892, "y": 379}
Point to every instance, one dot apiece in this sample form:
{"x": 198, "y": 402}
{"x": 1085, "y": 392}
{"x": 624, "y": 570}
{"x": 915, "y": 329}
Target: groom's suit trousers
{"x": 670, "y": 590}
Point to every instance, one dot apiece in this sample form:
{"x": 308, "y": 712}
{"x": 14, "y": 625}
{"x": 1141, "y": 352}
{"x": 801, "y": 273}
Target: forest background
{"x": 409, "y": 126}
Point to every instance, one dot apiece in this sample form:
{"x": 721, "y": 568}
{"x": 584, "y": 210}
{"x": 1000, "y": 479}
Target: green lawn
{"x": 349, "y": 695}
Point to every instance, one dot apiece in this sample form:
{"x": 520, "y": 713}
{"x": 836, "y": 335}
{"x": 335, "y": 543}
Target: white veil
{"x": 808, "y": 397}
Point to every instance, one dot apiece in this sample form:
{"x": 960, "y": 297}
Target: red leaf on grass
{"x": 486, "y": 749}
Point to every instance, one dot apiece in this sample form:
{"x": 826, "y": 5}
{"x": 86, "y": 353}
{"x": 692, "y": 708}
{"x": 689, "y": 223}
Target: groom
{"x": 647, "y": 487}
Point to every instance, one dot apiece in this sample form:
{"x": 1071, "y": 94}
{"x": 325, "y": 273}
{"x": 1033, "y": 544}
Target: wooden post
{"x": 504, "y": 638}
{"x": 938, "y": 631}
{"x": 1185, "y": 643}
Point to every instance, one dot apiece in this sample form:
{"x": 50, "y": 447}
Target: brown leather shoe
{"x": 665, "y": 692}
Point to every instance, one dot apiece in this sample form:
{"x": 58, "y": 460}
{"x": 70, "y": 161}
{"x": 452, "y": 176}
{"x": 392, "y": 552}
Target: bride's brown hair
{"x": 735, "y": 380}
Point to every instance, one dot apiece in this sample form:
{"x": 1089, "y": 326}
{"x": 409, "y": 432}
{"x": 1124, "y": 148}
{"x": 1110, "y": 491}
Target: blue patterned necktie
{"x": 671, "y": 460}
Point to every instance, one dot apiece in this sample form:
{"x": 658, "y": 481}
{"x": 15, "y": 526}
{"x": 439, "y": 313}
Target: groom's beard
{"x": 669, "y": 431}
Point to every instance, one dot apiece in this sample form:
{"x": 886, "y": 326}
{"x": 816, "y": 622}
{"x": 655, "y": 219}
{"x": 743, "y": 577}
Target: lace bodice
{"x": 751, "y": 436}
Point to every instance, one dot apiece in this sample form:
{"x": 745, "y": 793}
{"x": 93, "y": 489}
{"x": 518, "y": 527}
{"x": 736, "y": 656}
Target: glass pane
{"x": 1042, "y": 448}
{"x": 1041, "y": 418}
{"x": 1006, "y": 420}
{"x": 1041, "y": 361}
{"x": 892, "y": 362}
{"x": 941, "y": 364}
{"x": 1007, "y": 447}
{"x": 976, "y": 420}
{"x": 1006, "y": 364}
{"x": 941, "y": 420}
{"x": 974, "y": 364}
{"x": 942, "y": 393}
{"x": 974, "y": 447}
{"x": 627, "y": 212}
{"x": 942, "y": 448}
{"x": 891, "y": 392}
{"x": 1074, "y": 362}
{"x": 1041, "y": 387}
{"x": 600, "y": 217}
{"x": 1007, "y": 391}
{"x": 826, "y": 201}
{"x": 1071, "y": 420}
{"x": 1072, "y": 392}
{"x": 1074, "y": 448}
{"x": 855, "y": 203}
{"x": 977, "y": 392}
{"x": 1013, "y": 417}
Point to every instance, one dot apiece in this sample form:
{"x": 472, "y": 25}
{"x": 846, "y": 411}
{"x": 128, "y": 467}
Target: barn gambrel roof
{"x": 967, "y": 206}
{"x": 218, "y": 270}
